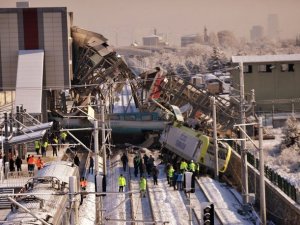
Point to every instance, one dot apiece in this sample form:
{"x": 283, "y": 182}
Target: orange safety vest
{"x": 39, "y": 163}
{"x": 31, "y": 160}
{"x": 83, "y": 183}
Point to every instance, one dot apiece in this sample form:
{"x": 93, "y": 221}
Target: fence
{"x": 279, "y": 181}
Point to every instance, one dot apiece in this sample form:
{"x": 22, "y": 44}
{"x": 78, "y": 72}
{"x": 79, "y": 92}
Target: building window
{"x": 130, "y": 117}
{"x": 146, "y": 117}
{"x": 265, "y": 68}
{"x": 287, "y": 67}
{"x": 248, "y": 69}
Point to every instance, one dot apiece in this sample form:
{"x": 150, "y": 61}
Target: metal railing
{"x": 282, "y": 183}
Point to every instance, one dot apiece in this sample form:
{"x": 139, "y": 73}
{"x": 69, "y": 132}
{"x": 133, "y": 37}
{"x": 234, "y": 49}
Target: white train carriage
{"x": 40, "y": 201}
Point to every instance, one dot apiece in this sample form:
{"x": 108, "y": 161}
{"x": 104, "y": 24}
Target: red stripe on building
{"x": 30, "y": 24}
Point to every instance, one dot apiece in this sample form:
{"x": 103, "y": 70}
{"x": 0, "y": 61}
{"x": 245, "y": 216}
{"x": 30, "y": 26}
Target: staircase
{"x": 4, "y": 202}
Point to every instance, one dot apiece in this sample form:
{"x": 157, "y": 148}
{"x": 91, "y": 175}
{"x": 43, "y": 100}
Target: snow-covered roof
{"x": 265, "y": 58}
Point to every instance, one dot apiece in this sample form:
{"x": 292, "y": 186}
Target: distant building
{"x": 256, "y": 33}
{"x": 205, "y": 36}
{"x": 154, "y": 40}
{"x": 273, "y": 26}
{"x": 298, "y": 40}
{"x": 190, "y": 39}
{"x": 275, "y": 79}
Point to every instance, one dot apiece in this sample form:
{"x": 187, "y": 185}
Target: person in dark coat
{"x": 18, "y": 163}
{"x": 174, "y": 180}
{"x": 149, "y": 165}
{"x": 136, "y": 165}
{"x": 11, "y": 165}
{"x": 76, "y": 160}
{"x": 124, "y": 160}
{"x": 28, "y": 157}
{"x": 145, "y": 157}
{"x": 91, "y": 167}
{"x": 142, "y": 169}
{"x": 155, "y": 173}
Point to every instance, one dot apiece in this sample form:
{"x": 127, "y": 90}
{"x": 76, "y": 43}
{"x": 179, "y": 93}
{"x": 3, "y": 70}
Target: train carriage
{"x": 192, "y": 145}
{"x": 53, "y": 209}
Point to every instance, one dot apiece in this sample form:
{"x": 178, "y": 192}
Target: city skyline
{"x": 123, "y": 22}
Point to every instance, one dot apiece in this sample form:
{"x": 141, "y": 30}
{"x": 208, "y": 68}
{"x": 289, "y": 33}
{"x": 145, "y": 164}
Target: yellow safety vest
{"x": 143, "y": 184}
{"x": 36, "y": 144}
{"x": 55, "y": 140}
{"x": 45, "y": 145}
{"x": 122, "y": 181}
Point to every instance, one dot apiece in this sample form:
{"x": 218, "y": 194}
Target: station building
{"x": 275, "y": 79}
{"x": 35, "y": 54}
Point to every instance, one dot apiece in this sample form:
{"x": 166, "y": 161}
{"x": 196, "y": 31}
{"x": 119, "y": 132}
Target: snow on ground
{"x": 168, "y": 204}
{"x": 285, "y": 162}
{"x": 228, "y": 206}
{"x": 87, "y": 209}
{"x": 114, "y": 204}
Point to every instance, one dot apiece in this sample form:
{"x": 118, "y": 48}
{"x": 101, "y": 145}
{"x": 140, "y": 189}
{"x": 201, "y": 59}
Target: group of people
{"x": 142, "y": 184}
{"x": 175, "y": 178}
{"x": 143, "y": 166}
{"x": 32, "y": 162}
{"x": 54, "y": 140}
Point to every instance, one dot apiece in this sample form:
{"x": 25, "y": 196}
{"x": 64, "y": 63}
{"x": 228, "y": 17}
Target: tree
{"x": 217, "y": 60}
{"x": 292, "y": 131}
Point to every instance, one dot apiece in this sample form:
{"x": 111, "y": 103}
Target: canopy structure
{"x": 38, "y": 127}
{"x": 29, "y": 137}
{"x": 29, "y": 129}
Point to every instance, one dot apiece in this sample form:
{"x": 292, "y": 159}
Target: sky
{"x": 125, "y": 21}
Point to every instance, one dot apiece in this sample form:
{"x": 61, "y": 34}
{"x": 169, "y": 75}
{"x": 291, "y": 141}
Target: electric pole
{"x": 215, "y": 139}
{"x": 262, "y": 175}
{"x": 96, "y": 148}
{"x": 244, "y": 169}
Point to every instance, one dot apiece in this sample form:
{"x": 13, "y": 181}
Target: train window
{"x": 130, "y": 117}
{"x": 146, "y": 117}
{"x": 222, "y": 155}
{"x": 211, "y": 150}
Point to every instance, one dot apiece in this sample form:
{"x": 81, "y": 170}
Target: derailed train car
{"x": 192, "y": 145}
{"x": 41, "y": 200}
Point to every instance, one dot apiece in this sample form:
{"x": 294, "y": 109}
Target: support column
{"x": 96, "y": 147}
{"x": 244, "y": 169}
{"x": 262, "y": 175}
{"x": 215, "y": 139}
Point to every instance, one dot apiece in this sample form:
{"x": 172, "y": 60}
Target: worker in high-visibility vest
{"x": 122, "y": 183}
{"x": 37, "y": 146}
{"x": 39, "y": 163}
{"x": 54, "y": 145}
{"x": 83, "y": 185}
{"x": 198, "y": 170}
{"x": 192, "y": 166}
{"x": 31, "y": 164}
{"x": 143, "y": 186}
{"x": 44, "y": 147}
{"x": 63, "y": 137}
{"x": 170, "y": 175}
{"x": 183, "y": 166}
